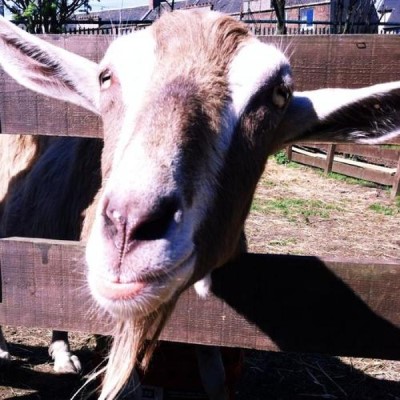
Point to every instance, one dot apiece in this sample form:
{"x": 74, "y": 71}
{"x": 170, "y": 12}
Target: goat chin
{"x": 134, "y": 340}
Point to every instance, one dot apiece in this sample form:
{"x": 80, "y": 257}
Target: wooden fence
{"x": 330, "y": 158}
{"x": 106, "y": 30}
{"x": 271, "y": 302}
{"x": 260, "y": 27}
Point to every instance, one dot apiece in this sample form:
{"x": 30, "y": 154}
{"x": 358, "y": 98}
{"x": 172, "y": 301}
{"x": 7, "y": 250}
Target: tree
{"x": 45, "y": 16}
{"x": 357, "y": 16}
{"x": 279, "y": 7}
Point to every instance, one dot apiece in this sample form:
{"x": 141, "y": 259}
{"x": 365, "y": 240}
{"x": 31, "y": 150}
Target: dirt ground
{"x": 296, "y": 211}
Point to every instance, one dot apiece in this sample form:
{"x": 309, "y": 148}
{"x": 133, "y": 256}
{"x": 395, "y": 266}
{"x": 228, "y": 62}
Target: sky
{"x": 116, "y": 4}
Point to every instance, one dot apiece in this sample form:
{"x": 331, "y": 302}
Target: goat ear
{"x": 48, "y": 69}
{"x": 366, "y": 115}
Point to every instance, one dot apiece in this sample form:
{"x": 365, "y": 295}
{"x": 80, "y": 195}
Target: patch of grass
{"x": 386, "y": 210}
{"x": 282, "y": 242}
{"x": 281, "y": 157}
{"x": 265, "y": 182}
{"x": 294, "y": 209}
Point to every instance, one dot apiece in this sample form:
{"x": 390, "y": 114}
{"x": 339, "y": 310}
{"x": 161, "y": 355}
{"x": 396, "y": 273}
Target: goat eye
{"x": 105, "y": 79}
{"x": 281, "y": 95}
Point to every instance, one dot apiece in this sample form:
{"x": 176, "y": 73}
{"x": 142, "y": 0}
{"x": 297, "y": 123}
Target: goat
{"x": 191, "y": 107}
{"x": 35, "y": 191}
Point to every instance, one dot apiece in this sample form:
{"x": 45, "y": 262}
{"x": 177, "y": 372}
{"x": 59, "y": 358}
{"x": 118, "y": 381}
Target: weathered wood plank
{"x": 364, "y": 150}
{"x": 265, "y": 302}
{"x": 43, "y": 284}
{"x": 318, "y": 61}
{"x": 340, "y": 60}
{"x": 372, "y": 175}
{"x": 368, "y": 150}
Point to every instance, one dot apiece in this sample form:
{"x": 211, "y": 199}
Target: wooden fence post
{"x": 396, "y": 182}
{"x": 289, "y": 152}
{"x": 329, "y": 158}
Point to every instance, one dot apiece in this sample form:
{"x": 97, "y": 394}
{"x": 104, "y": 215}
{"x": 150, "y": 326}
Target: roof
{"x": 136, "y": 14}
{"x": 393, "y": 8}
{"x": 388, "y": 5}
{"x": 228, "y": 6}
{"x": 395, "y": 15}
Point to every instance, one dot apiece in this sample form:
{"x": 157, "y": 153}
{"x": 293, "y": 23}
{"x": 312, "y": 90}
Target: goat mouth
{"x": 115, "y": 291}
{"x": 118, "y": 291}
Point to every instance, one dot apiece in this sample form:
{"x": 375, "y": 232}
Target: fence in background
{"x": 379, "y": 164}
{"x": 258, "y": 27}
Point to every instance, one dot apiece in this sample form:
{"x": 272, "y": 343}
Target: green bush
{"x": 281, "y": 157}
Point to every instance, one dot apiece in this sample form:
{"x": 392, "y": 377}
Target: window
{"x": 307, "y": 15}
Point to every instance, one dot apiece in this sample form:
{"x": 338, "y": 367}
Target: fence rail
{"x": 106, "y": 30}
{"x": 257, "y": 26}
{"x": 266, "y": 302}
{"x": 263, "y": 301}
{"x": 330, "y": 158}
{"x": 317, "y": 61}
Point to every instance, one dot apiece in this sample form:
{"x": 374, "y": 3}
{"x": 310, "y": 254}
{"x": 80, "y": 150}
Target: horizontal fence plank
{"x": 366, "y": 170}
{"x": 381, "y": 177}
{"x": 381, "y": 152}
{"x": 341, "y": 60}
{"x": 270, "y": 302}
{"x": 318, "y": 61}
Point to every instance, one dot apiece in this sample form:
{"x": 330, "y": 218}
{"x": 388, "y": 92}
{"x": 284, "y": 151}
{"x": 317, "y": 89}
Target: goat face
{"x": 187, "y": 132}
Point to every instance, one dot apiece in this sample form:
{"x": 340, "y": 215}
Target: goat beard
{"x": 133, "y": 339}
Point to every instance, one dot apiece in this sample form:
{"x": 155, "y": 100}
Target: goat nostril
{"x": 156, "y": 224}
{"x": 113, "y": 221}
{"x": 117, "y": 217}
{"x": 140, "y": 222}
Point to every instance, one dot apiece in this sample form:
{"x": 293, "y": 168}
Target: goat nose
{"x": 146, "y": 221}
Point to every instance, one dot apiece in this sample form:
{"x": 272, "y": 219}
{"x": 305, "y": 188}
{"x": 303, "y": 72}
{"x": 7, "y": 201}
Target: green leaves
{"x": 45, "y": 16}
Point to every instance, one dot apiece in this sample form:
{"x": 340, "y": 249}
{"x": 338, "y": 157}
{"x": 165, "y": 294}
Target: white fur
{"x": 64, "y": 361}
{"x": 255, "y": 57}
{"x": 203, "y": 286}
{"x": 326, "y": 101}
{"x": 4, "y": 353}
{"x": 131, "y": 59}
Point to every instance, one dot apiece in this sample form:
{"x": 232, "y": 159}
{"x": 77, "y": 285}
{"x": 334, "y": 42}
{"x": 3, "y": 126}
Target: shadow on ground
{"x": 295, "y": 376}
{"x": 29, "y": 375}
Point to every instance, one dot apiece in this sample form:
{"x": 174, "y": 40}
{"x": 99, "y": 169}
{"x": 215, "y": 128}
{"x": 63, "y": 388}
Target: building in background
{"x": 389, "y": 16}
{"x": 144, "y": 14}
{"x": 337, "y": 16}
{"x": 317, "y": 16}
